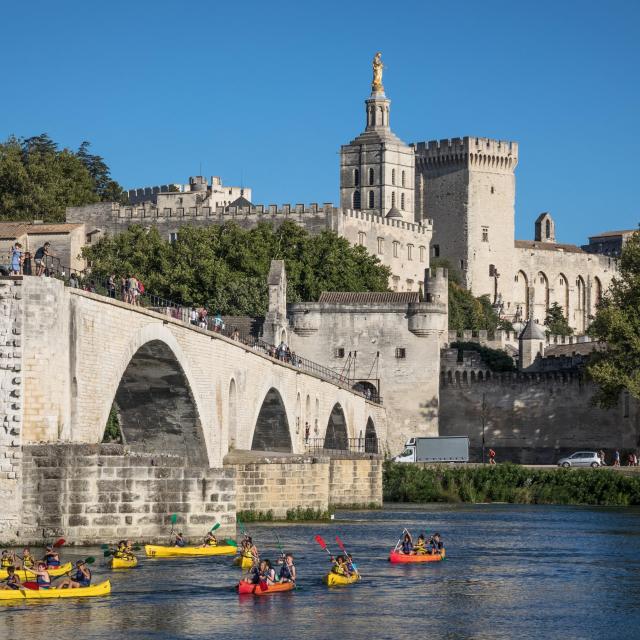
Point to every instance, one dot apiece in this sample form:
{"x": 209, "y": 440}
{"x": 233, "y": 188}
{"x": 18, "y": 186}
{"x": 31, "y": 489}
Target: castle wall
{"x": 373, "y": 335}
{"x": 532, "y": 418}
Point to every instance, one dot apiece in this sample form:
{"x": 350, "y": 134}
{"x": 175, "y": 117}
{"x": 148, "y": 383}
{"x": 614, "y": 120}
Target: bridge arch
{"x": 271, "y": 432}
{"x": 370, "y": 437}
{"x": 157, "y": 401}
{"x": 337, "y": 434}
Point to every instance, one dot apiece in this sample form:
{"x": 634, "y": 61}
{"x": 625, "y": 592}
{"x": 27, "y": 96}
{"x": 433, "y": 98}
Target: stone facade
{"x": 11, "y": 404}
{"x": 280, "y": 484}
{"x": 198, "y": 192}
{"x": 467, "y": 187}
{"x": 385, "y": 343}
{"x": 96, "y": 493}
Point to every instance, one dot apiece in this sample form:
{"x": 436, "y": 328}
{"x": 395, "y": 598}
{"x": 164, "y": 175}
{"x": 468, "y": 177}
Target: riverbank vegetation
{"x": 299, "y": 514}
{"x": 509, "y": 483}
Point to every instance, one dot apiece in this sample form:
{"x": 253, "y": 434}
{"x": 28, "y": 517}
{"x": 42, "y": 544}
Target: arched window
{"x": 393, "y": 199}
{"x": 396, "y": 249}
{"x": 380, "y": 245}
{"x": 356, "y": 177}
{"x": 372, "y": 201}
{"x": 393, "y": 176}
{"x": 547, "y": 229}
{"x": 356, "y": 200}
{"x": 402, "y": 201}
{"x": 403, "y": 177}
{"x": 371, "y": 176}
{"x": 409, "y": 252}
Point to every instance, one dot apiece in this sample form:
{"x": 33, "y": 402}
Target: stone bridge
{"x": 179, "y": 389}
{"x": 67, "y": 355}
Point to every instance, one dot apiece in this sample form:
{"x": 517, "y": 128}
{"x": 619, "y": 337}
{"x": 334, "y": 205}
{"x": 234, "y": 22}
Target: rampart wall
{"x": 533, "y": 418}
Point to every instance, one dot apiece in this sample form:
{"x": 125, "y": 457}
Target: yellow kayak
{"x": 334, "y": 580}
{"x": 158, "y": 551}
{"x": 28, "y": 575}
{"x": 243, "y": 562}
{"x": 123, "y": 563}
{"x": 101, "y": 589}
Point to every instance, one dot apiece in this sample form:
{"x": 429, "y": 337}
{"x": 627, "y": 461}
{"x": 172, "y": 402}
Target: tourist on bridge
{"x": 16, "y": 259}
{"x": 26, "y": 264}
{"x": 616, "y": 459}
{"x": 492, "y": 456}
{"x": 41, "y": 256}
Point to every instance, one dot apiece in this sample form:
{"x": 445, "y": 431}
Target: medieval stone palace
{"x": 452, "y": 199}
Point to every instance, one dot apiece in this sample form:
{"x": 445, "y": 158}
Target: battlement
{"x": 501, "y": 339}
{"x": 501, "y": 155}
{"x": 149, "y": 211}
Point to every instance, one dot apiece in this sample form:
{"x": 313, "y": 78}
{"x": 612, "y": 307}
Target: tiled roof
{"x": 369, "y": 297}
{"x": 547, "y": 246}
{"x": 15, "y": 229}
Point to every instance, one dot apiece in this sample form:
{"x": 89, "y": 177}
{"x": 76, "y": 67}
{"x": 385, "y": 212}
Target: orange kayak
{"x": 402, "y": 558}
{"x": 256, "y": 590}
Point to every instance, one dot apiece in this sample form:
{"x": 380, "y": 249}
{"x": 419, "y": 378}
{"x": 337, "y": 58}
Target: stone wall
{"x": 317, "y": 482}
{"x": 535, "y": 418}
{"x": 99, "y": 493}
{"x": 11, "y": 411}
{"x": 356, "y": 481}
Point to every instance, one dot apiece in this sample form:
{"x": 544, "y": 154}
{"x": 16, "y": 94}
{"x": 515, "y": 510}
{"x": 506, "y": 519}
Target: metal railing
{"x": 202, "y": 318}
{"x": 368, "y": 444}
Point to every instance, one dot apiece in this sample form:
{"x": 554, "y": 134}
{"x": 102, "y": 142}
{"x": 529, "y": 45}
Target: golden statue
{"x": 376, "y": 84}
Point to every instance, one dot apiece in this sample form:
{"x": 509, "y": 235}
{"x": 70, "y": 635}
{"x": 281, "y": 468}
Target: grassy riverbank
{"x": 508, "y": 483}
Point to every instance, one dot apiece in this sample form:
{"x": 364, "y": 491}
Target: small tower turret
{"x": 545, "y": 229}
{"x": 532, "y": 339}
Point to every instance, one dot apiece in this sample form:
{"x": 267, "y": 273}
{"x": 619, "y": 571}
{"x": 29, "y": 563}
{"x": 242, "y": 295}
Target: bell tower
{"x": 377, "y": 169}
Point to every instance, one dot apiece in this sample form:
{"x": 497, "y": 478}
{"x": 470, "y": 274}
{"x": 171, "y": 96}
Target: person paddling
{"x": 340, "y": 567}
{"x": 27, "y": 559}
{"x": 210, "y": 540}
{"x": 12, "y": 581}
{"x": 51, "y": 558}
{"x": 437, "y": 545}
{"x": 180, "y": 541}
{"x": 6, "y": 560}
{"x": 407, "y": 544}
{"x": 288, "y": 569}
{"x": 81, "y": 578}
{"x": 268, "y": 573}
{"x": 43, "y": 579}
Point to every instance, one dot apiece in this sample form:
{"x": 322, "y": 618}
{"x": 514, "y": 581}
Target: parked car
{"x": 581, "y": 459}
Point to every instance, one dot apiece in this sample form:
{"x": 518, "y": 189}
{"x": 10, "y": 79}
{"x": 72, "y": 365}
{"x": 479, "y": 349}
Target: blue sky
{"x": 266, "y": 92}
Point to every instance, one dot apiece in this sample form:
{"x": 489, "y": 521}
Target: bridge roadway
{"x": 179, "y": 389}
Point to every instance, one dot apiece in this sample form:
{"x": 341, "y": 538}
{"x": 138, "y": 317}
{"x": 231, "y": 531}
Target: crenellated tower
{"x": 377, "y": 169}
{"x": 467, "y": 186}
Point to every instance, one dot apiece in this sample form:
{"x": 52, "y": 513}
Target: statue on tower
{"x": 376, "y": 84}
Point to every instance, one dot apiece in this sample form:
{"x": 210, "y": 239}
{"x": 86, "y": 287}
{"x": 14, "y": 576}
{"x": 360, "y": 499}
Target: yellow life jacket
{"x": 27, "y": 562}
{"x": 338, "y": 569}
{"x": 7, "y": 562}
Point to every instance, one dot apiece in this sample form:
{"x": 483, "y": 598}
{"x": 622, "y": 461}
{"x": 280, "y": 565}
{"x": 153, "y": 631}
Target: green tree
{"x": 224, "y": 267}
{"x": 556, "y": 322}
{"x": 617, "y": 326}
{"x": 466, "y": 312}
{"x": 39, "y": 181}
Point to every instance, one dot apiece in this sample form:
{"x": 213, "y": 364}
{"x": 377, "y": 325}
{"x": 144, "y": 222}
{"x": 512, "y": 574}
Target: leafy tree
{"x": 556, "y": 322}
{"x": 38, "y": 180}
{"x": 224, "y": 267}
{"x": 496, "y": 359}
{"x": 617, "y": 325}
{"x": 466, "y": 312}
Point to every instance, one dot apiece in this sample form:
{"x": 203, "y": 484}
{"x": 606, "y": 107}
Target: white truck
{"x": 435, "y": 449}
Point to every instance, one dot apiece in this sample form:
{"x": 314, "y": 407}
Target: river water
{"x": 511, "y": 572}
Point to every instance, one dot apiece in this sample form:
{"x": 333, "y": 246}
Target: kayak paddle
{"x": 341, "y": 545}
{"x": 58, "y": 543}
{"x": 323, "y": 544}
{"x": 215, "y": 526}
{"x": 231, "y": 543}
